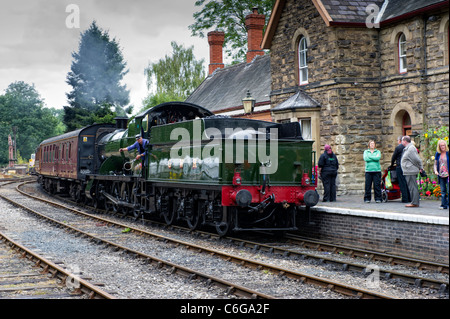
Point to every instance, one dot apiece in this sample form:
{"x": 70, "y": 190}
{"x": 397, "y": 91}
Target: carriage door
{"x": 86, "y": 147}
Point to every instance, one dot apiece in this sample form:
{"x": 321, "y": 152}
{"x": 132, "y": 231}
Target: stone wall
{"x": 420, "y": 240}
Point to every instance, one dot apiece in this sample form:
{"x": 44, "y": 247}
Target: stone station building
{"x": 355, "y": 70}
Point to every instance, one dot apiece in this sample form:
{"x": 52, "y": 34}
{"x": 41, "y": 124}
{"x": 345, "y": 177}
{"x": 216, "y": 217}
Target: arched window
{"x": 402, "y": 53}
{"x": 302, "y": 58}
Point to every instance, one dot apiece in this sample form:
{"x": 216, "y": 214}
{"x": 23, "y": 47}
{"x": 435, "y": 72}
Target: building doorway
{"x": 406, "y": 124}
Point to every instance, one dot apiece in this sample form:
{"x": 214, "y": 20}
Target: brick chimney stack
{"x": 215, "y": 40}
{"x": 255, "y": 24}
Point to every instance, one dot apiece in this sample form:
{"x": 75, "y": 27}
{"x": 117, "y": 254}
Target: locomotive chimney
{"x": 254, "y": 23}
{"x": 121, "y": 122}
{"x": 215, "y": 40}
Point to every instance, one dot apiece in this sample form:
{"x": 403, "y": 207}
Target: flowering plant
{"x": 428, "y": 142}
{"x": 429, "y": 188}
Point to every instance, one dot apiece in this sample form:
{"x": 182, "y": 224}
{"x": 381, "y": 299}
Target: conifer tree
{"x": 96, "y": 73}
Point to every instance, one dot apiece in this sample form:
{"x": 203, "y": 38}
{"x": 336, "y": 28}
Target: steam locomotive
{"x": 233, "y": 174}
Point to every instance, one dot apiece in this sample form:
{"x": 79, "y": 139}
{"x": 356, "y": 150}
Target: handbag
{"x": 388, "y": 181}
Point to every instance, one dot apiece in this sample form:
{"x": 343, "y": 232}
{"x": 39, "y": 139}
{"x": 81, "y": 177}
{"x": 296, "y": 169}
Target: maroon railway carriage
{"x": 63, "y": 161}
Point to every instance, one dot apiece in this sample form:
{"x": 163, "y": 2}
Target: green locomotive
{"x": 230, "y": 173}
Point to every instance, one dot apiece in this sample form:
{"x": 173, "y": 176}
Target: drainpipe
{"x": 424, "y": 75}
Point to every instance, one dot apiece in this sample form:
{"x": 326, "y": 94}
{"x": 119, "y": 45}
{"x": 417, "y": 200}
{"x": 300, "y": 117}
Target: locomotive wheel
{"x": 136, "y": 201}
{"x": 99, "y": 200}
{"x": 125, "y": 195}
{"x": 78, "y": 194}
{"x": 168, "y": 207}
{"x": 170, "y": 210}
{"x": 51, "y": 188}
{"x": 115, "y": 192}
{"x": 193, "y": 219}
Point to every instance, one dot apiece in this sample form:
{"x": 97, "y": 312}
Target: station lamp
{"x": 249, "y": 103}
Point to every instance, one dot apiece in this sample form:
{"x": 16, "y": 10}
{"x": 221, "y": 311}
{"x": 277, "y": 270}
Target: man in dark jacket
{"x": 327, "y": 171}
{"x": 396, "y": 160}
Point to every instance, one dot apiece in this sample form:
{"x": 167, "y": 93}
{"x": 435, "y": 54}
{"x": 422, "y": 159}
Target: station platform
{"x": 428, "y": 211}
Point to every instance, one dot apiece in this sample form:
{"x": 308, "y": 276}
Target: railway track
{"x": 295, "y": 241}
{"x": 112, "y": 244}
{"x": 298, "y": 276}
{"x": 368, "y": 254}
{"x": 28, "y": 275}
{"x": 280, "y": 271}
{"x": 363, "y": 260}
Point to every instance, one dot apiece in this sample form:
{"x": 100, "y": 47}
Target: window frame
{"x": 401, "y": 53}
{"x": 302, "y": 127}
{"x": 302, "y": 56}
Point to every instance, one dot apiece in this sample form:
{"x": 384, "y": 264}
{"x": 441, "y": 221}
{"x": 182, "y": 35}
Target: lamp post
{"x": 249, "y": 103}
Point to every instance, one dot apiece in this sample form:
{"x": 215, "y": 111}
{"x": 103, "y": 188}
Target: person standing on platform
{"x": 395, "y": 160}
{"x": 372, "y": 158}
{"x": 441, "y": 165}
{"x": 411, "y": 166}
{"x": 327, "y": 170}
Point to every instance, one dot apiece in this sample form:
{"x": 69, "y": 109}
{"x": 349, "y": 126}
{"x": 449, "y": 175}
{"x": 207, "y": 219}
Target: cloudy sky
{"x": 37, "y": 38}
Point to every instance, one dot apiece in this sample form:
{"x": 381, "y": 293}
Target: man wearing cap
{"x": 327, "y": 171}
{"x": 141, "y": 147}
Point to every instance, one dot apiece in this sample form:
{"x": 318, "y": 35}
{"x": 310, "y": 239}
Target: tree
{"x": 96, "y": 72}
{"x": 22, "y": 107}
{"x": 229, "y": 16}
{"x": 173, "y": 78}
